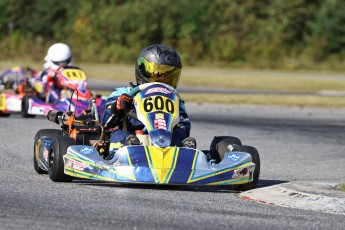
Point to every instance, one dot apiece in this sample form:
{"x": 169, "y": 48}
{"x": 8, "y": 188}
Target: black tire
{"x": 256, "y": 160}
{"x": 9, "y": 84}
{"x": 219, "y": 146}
{"x": 4, "y": 114}
{"x": 55, "y": 159}
{"x": 43, "y": 132}
{"x": 25, "y": 107}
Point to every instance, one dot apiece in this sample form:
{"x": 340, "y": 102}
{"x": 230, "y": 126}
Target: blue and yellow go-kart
{"x": 79, "y": 150}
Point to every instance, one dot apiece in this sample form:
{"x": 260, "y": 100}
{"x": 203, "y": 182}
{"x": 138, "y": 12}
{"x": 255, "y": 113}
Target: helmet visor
{"x": 63, "y": 63}
{"x": 159, "y": 73}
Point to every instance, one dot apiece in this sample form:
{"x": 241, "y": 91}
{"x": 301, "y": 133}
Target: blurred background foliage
{"x": 294, "y": 34}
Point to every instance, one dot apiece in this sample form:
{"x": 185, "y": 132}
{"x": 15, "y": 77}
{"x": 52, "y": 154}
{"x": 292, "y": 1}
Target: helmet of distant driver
{"x": 59, "y": 54}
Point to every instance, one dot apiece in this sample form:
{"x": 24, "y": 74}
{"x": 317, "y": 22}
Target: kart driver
{"x": 58, "y": 55}
{"x": 17, "y": 78}
{"x": 152, "y": 60}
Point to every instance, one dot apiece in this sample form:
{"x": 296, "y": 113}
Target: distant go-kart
{"x": 15, "y": 84}
{"x": 30, "y": 101}
{"x": 81, "y": 149}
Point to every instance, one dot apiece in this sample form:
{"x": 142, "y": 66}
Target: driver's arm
{"x": 107, "y": 114}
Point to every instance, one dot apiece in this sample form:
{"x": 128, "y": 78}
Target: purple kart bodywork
{"x": 39, "y": 107}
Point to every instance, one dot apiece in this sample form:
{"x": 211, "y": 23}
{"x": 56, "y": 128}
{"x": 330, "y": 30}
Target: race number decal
{"x": 2, "y": 101}
{"x": 158, "y": 103}
{"x": 74, "y": 74}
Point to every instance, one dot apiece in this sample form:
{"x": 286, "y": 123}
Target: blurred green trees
{"x": 267, "y": 33}
{"x": 329, "y": 26}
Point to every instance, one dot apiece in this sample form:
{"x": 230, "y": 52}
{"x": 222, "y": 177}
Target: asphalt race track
{"x": 295, "y": 144}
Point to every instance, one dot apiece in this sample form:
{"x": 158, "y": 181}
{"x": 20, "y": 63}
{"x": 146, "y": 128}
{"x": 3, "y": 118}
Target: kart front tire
{"x": 25, "y": 107}
{"x": 219, "y": 146}
{"x": 256, "y": 160}
{"x": 55, "y": 159}
{"x": 43, "y": 132}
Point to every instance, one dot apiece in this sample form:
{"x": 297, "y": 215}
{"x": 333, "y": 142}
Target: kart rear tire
{"x": 25, "y": 107}
{"x": 55, "y": 159}
{"x": 4, "y": 114}
{"x": 43, "y": 132}
{"x": 219, "y": 146}
{"x": 256, "y": 160}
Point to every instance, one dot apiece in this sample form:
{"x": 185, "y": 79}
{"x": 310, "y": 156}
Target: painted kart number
{"x": 2, "y": 101}
{"x": 159, "y": 103}
{"x": 74, "y": 74}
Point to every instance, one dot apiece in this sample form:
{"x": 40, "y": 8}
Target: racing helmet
{"x": 59, "y": 54}
{"x": 158, "y": 63}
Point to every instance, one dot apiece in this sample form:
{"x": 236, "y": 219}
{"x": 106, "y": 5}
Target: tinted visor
{"x": 159, "y": 73}
{"x": 63, "y": 63}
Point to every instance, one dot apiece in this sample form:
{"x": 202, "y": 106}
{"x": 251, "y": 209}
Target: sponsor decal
{"x": 45, "y": 154}
{"x": 240, "y": 172}
{"x": 160, "y": 124}
{"x": 39, "y": 110}
{"x": 234, "y": 157}
{"x": 158, "y": 90}
{"x": 76, "y": 164}
{"x": 159, "y": 116}
{"x": 86, "y": 150}
{"x": 13, "y": 103}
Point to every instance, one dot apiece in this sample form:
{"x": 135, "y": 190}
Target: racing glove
{"x": 52, "y": 73}
{"x": 121, "y": 105}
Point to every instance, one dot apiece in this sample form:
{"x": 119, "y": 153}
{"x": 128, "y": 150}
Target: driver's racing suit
{"x": 129, "y": 125}
{"x": 51, "y": 86}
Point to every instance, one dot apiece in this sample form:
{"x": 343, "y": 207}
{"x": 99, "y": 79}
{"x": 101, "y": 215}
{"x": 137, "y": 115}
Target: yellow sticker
{"x": 2, "y": 101}
{"x": 159, "y": 116}
{"x": 38, "y": 87}
{"x": 74, "y": 74}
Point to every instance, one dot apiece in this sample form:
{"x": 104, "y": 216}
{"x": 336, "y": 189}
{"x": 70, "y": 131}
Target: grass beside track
{"x": 276, "y": 100}
{"x": 300, "y": 82}
{"x": 342, "y": 188}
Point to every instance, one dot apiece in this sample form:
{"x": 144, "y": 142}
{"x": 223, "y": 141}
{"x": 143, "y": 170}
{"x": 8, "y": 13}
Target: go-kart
{"x": 81, "y": 149}
{"x": 30, "y": 99}
{"x": 13, "y": 77}
{"x": 15, "y": 84}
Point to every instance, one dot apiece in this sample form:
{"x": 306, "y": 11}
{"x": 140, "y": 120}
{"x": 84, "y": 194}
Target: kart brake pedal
{"x": 212, "y": 162}
{"x": 189, "y": 142}
{"x": 132, "y": 140}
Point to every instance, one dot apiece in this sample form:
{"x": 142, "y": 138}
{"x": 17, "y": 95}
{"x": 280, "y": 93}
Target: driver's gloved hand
{"x": 122, "y": 104}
